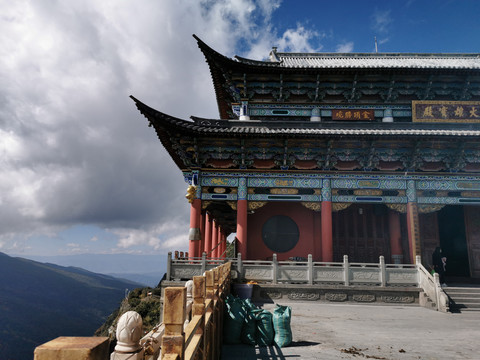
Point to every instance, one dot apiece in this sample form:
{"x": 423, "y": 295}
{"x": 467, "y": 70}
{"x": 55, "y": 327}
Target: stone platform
{"x": 334, "y": 331}
{"x": 269, "y": 293}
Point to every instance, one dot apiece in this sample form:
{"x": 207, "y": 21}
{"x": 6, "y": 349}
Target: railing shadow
{"x": 272, "y": 352}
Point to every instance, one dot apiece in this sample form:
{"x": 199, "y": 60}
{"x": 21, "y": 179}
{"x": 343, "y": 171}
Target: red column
{"x": 208, "y": 233}
{"x": 214, "y": 237}
{"x": 202, "y": 234}
{"x": 242, "y": 228}
{"x": 395, "y": 236}
{"x": 413, "y": 231}
{"x": 327, "y": 241}
{"x": 194, "y": 235}
{"x": 317, "y": 236}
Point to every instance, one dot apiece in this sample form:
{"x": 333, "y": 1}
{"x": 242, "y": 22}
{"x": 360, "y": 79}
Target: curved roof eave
{"x": 230, "y": 128}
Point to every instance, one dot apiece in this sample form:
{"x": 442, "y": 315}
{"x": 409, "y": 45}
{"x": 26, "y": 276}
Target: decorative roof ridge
{"x": 376, "y": 55}
{"x": 148, "y": 111}
{"x": 281, "y": 59}
{"x": 258, "y": 62}
{"x": 209, "y": 50}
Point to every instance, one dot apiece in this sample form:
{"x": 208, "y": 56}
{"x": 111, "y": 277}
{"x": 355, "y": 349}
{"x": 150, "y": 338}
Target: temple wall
{"x": 308, "y": 225}
{"x": 429, "y": 236}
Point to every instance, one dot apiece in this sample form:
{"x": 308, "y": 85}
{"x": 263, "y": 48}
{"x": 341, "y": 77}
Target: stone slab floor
{"x": 343, "y": 331}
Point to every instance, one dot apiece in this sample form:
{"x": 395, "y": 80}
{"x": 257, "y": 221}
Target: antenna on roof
{"x": 376, "y": 46}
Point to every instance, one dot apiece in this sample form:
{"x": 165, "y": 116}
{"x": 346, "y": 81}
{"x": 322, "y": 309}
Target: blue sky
{"x": 80, "y": 171}
{"x": 400, "y": 26}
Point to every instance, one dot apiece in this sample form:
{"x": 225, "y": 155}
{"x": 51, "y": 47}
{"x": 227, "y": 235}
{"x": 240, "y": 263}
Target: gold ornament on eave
{"x": 191, "y": 193}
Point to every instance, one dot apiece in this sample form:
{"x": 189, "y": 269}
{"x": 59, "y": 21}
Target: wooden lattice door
{"x": 361, "y": 232}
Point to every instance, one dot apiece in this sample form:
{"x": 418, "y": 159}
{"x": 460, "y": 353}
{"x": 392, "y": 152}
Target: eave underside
{"x": 390, "y": 147}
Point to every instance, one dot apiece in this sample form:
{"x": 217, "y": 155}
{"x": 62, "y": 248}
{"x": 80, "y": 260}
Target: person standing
{"x": 439, "y": 264}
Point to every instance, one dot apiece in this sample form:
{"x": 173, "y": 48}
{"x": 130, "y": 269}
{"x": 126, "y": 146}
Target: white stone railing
{"x": 187, "y": 268}
{"x": 312, "y": 272}
{"x": 307, "y": 272}
{"x": 431, "y": 286}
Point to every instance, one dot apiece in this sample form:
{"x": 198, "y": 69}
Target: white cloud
{"x": 299, "y": 40}
{"x": 74, "y": 149}
{"x": 381, "y": 20}
{"x": 346, "y": 47}
{"x": 167, "y": 236}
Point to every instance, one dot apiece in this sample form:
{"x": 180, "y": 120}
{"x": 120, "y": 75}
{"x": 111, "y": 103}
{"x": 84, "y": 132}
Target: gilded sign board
{"x": 281, "y": 182}
{"x": 351, "y": 114}
{"x": 446, "y": 111}
{"x": 368, "y": 183}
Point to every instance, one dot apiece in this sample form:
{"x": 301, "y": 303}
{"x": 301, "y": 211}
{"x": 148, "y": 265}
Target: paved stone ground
{"x": 343, "y": 331}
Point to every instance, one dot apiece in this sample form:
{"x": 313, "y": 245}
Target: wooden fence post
{"x": 216, "y": 317}
{"x": 209, "y": 314}
{"x": 174, "y": 314}
{"x": 199, "y": 309}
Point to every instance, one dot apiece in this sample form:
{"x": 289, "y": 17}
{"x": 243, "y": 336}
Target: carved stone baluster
{"x": 274, "y": 268}
{"x": 346, "y": 270}
{"x": 129, "y": 332}
{"x": 310, "y": 269}
{"x": 383, "y": 271}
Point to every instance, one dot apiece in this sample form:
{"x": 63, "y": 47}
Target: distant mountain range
{"x": 144, "y": 269}
{"x": 40, "y": 301}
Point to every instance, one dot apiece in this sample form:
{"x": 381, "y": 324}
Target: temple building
{"x": 332, "y": 154}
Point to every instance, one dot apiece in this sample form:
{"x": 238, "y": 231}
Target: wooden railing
{"x": 192, "y": 327}
{"x": 202, "y": 337}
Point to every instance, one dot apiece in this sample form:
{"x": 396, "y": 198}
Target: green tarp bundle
{"x": 265, "y": 333}
{"x": 281, "y": 324}
{"x": 249, "y": 325}
{"x": 233, "y": 320}
{"x": 245, "y": 323}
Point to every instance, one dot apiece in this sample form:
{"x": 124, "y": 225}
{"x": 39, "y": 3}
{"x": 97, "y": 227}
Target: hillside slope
{"x": 39, "y": 302}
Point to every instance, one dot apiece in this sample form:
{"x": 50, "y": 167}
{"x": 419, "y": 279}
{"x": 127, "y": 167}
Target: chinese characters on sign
{"x": 446, "y": 111}
{"x": 351, "y": 114}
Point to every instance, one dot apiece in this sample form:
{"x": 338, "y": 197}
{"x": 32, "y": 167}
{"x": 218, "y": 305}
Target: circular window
{"x": 280, "y": 233}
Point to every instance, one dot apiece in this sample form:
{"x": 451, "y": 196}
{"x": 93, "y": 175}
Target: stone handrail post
{"x": 169, "y": 266}
{"x": 239, "y": 266}
{"x": 346, "y": 270}
{"x": 418, "y": 260}
{"x": 310, "y": 269}
{"x": 275, "y": 269}
{"x": 383, "y": 271}
{"x": 204, "y": 262}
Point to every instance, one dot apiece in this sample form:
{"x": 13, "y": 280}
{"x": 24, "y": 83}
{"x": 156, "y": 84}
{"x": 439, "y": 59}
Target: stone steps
{"x": 463, "y": 298}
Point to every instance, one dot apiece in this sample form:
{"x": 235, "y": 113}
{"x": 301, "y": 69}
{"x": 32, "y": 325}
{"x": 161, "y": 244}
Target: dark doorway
{"x": 451, "y": 228}
{"x": 361, "y": 232}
